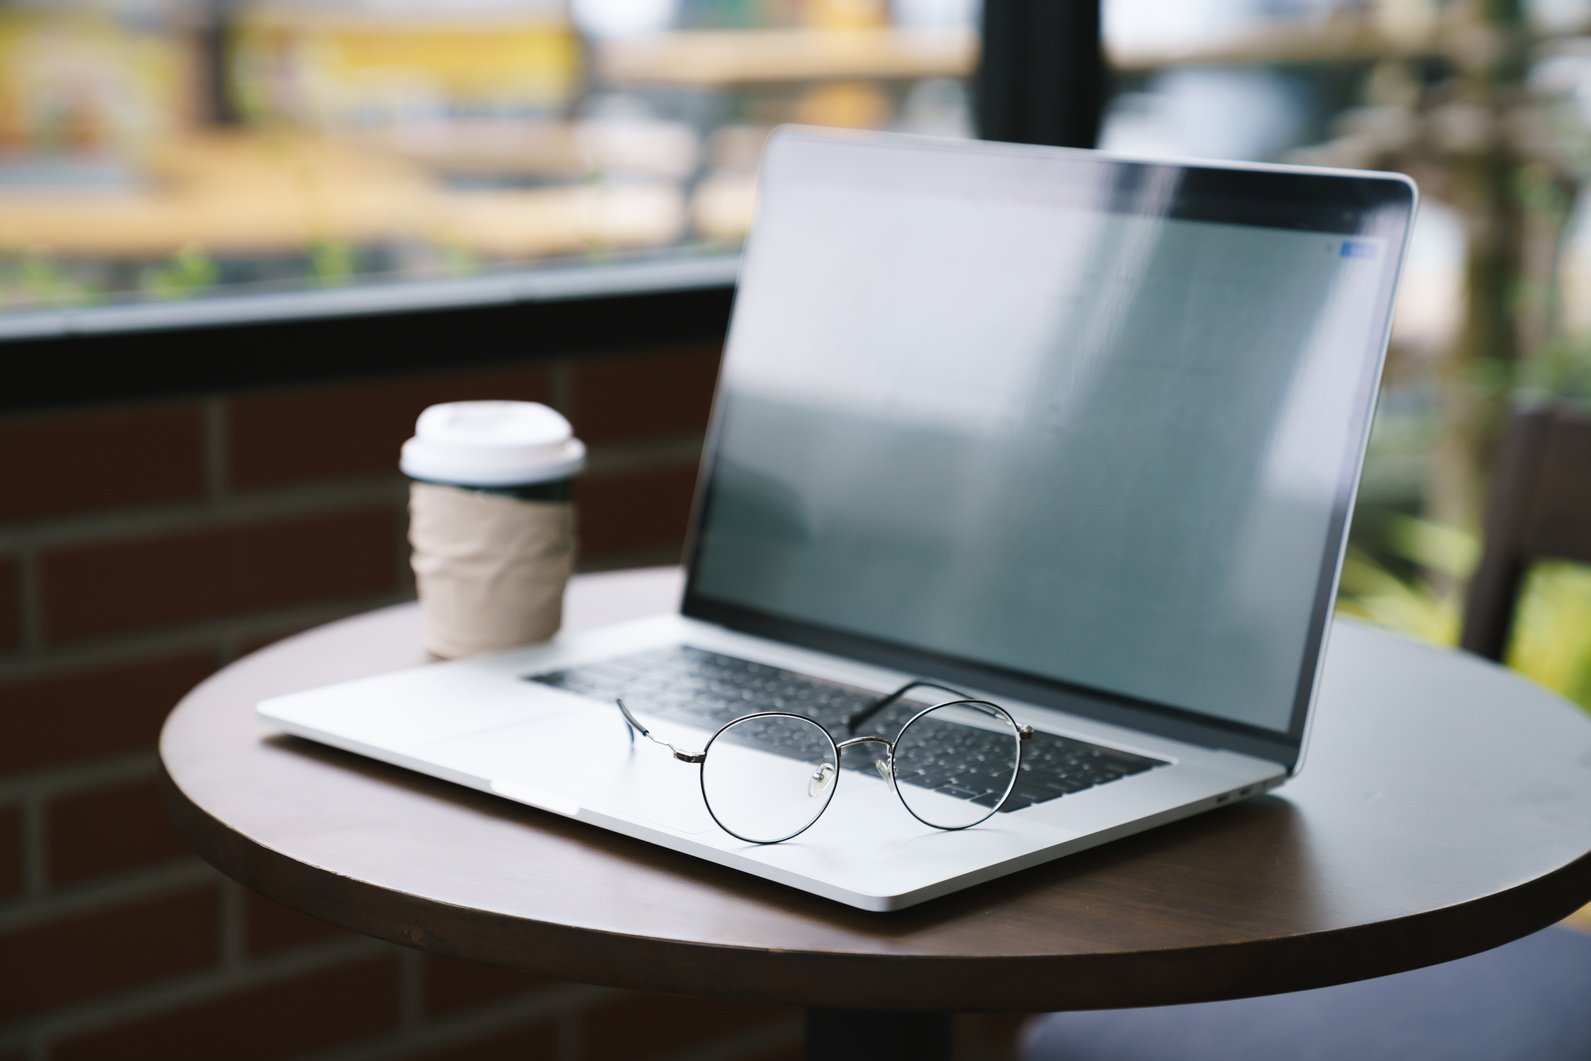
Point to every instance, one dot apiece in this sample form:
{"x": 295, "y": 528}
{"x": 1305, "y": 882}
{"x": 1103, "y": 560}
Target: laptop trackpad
{"x": 582, "y": 759}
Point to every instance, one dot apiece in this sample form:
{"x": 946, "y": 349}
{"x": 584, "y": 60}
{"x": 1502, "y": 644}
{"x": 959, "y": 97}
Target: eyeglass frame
{"x": 1024, "y": 734}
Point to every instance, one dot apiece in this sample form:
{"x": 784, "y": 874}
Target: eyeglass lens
{"x": 955, "y": 764}
{"x": 766, "y": 798}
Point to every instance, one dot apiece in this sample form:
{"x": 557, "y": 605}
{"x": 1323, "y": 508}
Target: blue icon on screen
{"x": 1353, "y": 248}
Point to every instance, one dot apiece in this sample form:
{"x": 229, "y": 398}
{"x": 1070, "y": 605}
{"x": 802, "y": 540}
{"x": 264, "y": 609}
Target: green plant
{"x": 189, "y": 272}
{"x": 1552, "y": 641}
{"x": 332, "y": 262}
{"x": 455, "y": 259}
{"x": 1562, "y": 366}
{"x": 36, "y": 281}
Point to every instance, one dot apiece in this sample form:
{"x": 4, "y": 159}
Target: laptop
{"x": 1074, "y": 434}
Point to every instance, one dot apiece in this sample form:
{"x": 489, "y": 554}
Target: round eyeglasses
{"x": 767, "y": 776}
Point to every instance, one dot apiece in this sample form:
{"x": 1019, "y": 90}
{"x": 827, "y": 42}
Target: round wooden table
{"x": 1445, "y": 808}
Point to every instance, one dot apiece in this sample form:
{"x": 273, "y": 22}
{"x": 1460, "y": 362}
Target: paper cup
{"x": 491, "y": 523}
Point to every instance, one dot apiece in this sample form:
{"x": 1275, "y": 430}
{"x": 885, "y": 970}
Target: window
{"x": 159, "y": 150}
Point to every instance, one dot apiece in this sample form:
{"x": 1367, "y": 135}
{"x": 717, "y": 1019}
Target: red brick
{"x": 88, "y": 459}
{"x": 641, "y": 1025}
{"x": 10, "y": 852}
{"x": 89, "y": 714}
{"x": 269, "y": 927}
{"x": 10, "y": 604}
{"x": 352, "y": 428}
{"x": 112, "y": 587}
{"x": 280, "y": 1019}
{"x": 531, "y": 1042}
{"x": 71, "y": 959}
{"x": 108, "y": 830}
{"x": 634, "y": 511}
{"x": 451, "y": 984}
{"x": 630, "y": 396}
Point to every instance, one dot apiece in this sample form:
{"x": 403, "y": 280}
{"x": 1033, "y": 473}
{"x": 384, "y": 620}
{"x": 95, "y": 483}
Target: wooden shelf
{"x": 722, "y": 59}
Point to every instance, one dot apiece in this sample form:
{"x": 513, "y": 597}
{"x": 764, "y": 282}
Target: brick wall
{"x": 146, "y": 544}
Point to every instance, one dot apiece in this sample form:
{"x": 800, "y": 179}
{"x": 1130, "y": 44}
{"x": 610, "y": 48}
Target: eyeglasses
{"x": 766, "y": 777}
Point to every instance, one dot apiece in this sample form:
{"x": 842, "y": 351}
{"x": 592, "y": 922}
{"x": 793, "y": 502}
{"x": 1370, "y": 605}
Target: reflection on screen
{"x": 1097, "y": 447}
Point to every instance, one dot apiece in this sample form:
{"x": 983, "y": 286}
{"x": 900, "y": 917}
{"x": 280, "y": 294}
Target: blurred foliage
{"x": 1561, "y": 366}
{"x": 1520, "y": 197}
{"x": 454, "y": 258}
{"x": 189, "y": 272}
{"x": 332, "y": 262}
{"x": 33, "y": 281}
{"x": 1551, "y": 640}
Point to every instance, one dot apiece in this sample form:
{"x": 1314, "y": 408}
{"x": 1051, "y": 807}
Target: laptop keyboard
{"x": 708, "y": 689}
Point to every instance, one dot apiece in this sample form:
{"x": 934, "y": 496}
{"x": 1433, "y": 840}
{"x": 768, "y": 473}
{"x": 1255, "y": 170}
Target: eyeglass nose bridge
{"x": 886, "y": 765}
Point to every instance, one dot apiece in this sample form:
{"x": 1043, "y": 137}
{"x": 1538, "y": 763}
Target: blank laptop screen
{"x": 1091, "y": 430}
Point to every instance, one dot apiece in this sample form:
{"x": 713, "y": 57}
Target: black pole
{"x": 1042, "y": 76}
{"x": 214, "y": 32}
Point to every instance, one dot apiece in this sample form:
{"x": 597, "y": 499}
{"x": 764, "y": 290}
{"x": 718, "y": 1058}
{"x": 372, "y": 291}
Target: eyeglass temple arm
{"x": 633, "y": 726}
{"x": 878, "y": 705}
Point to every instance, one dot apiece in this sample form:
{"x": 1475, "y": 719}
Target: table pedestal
{"x": 843, "y": 1034}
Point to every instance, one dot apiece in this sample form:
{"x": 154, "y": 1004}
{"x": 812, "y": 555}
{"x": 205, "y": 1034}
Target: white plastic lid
{"x": 492, "y": 444}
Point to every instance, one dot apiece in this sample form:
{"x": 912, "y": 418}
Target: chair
{"x": 1523, "y": 1001}
{"x": 1540, "y": 506}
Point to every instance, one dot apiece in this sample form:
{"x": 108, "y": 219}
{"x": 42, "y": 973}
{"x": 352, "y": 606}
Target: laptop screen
{"x": 1090, "y": 422}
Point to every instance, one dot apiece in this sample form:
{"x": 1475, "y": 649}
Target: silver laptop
{"x": 1073, "y": 437}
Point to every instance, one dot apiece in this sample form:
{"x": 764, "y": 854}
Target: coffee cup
{"x": 491, "y": 523}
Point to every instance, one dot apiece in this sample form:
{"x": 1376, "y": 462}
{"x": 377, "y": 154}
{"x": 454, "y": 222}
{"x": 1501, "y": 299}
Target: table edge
{"x": 1027, "y": 983}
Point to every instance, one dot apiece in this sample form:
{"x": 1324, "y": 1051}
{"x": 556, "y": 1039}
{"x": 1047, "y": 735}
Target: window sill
{"x": 241, "y": 340}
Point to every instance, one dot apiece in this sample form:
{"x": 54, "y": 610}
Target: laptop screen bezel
{"x": 1342, "y": 202}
